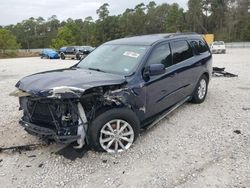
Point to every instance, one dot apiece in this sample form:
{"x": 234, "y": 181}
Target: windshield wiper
{"x": 96, "y": 69}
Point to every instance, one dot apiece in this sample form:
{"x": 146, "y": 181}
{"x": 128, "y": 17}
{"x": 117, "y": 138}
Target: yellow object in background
{"x": 209, "y": 38}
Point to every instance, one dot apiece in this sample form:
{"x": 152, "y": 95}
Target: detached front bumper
{"x": 47, "y": 133}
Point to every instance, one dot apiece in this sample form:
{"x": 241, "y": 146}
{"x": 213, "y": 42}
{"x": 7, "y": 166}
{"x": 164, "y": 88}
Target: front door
{"x": 163, "y": 91}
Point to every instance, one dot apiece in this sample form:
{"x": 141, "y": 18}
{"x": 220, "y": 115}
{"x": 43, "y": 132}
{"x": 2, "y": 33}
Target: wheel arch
{"x": 207, "y": 75}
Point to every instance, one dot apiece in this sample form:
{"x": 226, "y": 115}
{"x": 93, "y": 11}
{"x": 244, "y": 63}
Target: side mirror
{"x": 153, "y": 70}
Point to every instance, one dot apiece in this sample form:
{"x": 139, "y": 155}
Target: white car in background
{"x": 218, "y": 47}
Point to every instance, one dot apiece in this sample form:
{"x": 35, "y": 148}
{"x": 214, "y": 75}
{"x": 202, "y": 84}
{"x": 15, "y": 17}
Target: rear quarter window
{"x": 199, "y": 46}
{"x": 181, "y": 51}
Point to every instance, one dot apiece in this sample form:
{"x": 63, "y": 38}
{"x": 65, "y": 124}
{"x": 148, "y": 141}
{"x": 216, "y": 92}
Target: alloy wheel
{"x": 116, "y": 136}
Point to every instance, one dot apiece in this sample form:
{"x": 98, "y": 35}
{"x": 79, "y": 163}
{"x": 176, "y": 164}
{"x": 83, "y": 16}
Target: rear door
{"x": 202, "y": 57}
{"x": 184, "y": 63}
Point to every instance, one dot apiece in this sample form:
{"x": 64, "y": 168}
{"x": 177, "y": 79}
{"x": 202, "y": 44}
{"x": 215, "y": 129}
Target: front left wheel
{"x": 113, "y": 131}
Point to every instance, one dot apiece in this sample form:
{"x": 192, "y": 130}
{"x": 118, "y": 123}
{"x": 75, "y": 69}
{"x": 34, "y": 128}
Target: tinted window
{"x": 161, "y": 55}
{"x": 199, "y": 46}
{"x": 70, "y": 49}
{"x": 181, "y": 51}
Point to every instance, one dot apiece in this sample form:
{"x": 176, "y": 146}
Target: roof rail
{"x": 185, "y": 33}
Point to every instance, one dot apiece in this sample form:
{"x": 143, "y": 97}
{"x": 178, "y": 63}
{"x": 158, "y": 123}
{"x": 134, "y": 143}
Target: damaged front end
{"x": 60, "y": 104}
{"x": 63, "y": 120}
{"x": 63, "y": 115}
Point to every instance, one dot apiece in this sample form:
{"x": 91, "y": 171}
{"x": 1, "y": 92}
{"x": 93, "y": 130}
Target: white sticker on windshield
{"x": 131, "y": 54}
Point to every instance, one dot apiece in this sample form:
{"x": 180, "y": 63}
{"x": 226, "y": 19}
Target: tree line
{"x": 228, "y": 20}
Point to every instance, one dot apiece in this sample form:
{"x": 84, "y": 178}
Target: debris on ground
{"x": 237, "y": 131}
{"x": 246, "y": 108}
{"x": 219, "y": 72}
{"x": 69, "y": 152}
{"x": 21, "y": 148}
{"x": 104, "y": 161}
{"x": 40, "y": 165}
{"x": 31, "y": 156}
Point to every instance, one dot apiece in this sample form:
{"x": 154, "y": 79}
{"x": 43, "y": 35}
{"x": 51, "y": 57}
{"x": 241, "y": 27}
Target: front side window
{"x": 181, "y": 51}
{"x": 161, "y": 55}
{"x": 118, "y": 59}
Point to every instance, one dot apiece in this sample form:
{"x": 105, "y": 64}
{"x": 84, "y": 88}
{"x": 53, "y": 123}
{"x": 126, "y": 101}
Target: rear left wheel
{"x": 200, "y": 92}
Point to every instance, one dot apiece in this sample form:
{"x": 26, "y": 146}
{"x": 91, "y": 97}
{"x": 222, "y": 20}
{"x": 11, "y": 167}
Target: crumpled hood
{"x": 70, "y": 82}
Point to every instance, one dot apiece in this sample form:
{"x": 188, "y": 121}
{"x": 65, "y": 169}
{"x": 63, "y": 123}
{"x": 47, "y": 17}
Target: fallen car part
{"x": 20, "y": 148}
{"x": 237, "y": 131}
{"x": 219, "y": 72}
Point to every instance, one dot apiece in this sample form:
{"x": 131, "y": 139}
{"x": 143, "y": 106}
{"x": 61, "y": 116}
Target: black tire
{"x": 78, "y": 56}
{"x": 94, "y": 130}
{"x": 196, "y": 98}
{"x": 62, "y": 56}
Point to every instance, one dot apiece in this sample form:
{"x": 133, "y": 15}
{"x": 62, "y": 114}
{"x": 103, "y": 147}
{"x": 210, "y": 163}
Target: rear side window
{"x": 181, "y": 51}
{"x": 199, "y": 46}
{"x": 161, "y": 55}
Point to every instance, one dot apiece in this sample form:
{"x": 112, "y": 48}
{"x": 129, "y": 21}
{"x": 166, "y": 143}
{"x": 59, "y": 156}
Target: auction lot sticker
{"x": 131, "y": 54}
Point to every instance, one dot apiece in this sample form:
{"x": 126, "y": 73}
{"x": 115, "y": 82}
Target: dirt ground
{"x": 206, "y": 145}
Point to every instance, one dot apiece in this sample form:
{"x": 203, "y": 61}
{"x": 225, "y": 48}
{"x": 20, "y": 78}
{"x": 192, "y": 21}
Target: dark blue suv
{"x": 122, "y": 87}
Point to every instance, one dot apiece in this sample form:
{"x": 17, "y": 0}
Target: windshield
{"x": 218, "y": 43}
{"x": 119, "y": 59}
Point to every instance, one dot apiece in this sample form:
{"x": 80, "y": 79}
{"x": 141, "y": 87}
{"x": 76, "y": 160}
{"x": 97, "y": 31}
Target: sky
{"x": 14, "y": 11}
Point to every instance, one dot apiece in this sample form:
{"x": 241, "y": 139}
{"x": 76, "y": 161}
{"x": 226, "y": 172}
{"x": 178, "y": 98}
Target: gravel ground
{"x": 195, "y": 146}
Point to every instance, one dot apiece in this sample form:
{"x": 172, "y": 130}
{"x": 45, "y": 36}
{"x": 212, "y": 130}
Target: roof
{"x": 148, "y": 40}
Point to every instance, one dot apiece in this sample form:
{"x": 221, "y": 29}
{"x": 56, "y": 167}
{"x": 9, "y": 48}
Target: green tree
{"x": 103, "y": 11}
{"x": 175, "y": 19}
{"x": 195, "y": 16}
{"x": 64, "y": 37}
{"x": 7, "y": 40}
{"x": 156, "y": 18}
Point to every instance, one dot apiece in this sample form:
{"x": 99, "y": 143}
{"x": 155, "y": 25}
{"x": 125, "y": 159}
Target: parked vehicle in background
{"x": 121, "y": 87}
{"x": 75, "y": 52}
{"x": 218, "y": 47}
{"x": 87, "y": 48}
{"x": 62, "y": 49}
{"x": 49, "y": 54}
